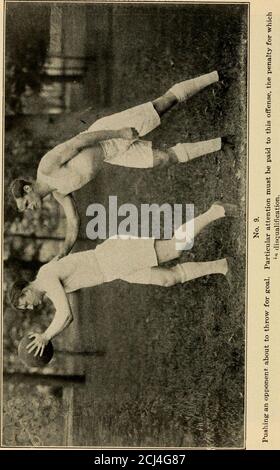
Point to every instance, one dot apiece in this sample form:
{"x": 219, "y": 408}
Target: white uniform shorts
{"x": 137, "y": 154}
{"x": 129, "y": 259}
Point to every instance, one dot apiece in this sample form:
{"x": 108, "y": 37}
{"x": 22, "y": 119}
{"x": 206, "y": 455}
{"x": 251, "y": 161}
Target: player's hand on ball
{"x": 130, "y": 133}
{"x": 37, "y": 344}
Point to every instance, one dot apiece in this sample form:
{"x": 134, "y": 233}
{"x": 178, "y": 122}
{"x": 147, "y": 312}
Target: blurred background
{"x": 140, "y": 365}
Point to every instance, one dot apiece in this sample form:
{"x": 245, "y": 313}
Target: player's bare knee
{"x": 160, "y": 158}
{"x": 172, "y": 156}
{"x": 164, "y": 102}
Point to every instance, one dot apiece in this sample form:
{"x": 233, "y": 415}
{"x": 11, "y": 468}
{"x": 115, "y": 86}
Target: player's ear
{"x": 27, "y": 188}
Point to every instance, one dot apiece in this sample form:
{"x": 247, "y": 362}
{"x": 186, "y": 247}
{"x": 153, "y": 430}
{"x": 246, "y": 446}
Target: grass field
{"x": 173, "y": 369}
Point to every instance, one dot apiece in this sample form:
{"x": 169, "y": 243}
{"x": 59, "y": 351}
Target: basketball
{"x": 29, "y": 359}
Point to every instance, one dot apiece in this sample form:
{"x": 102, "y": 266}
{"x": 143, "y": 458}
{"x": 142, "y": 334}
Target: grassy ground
{"x": 173, "y": 372}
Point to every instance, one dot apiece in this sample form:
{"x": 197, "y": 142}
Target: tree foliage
{"x": 26, "y": 49}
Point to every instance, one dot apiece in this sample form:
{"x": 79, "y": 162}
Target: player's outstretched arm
{"x": 62, "y": 318}
{"x": 87, "y": 139}
{"x": 64, "y": 152}
{"x": 63, "y": 314}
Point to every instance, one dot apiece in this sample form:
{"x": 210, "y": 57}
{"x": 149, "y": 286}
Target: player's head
{"x": 25, "y": 195}
{"x": 23, "y": 296}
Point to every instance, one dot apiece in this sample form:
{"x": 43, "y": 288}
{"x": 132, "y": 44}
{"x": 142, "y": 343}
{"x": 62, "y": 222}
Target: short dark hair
{"x": 16, "y": 292}
{"x": 17, "y": 185}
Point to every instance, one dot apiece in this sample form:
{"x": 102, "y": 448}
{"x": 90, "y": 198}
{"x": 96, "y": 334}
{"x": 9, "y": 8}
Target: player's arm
{"x": 87, "y": 139}
{"x": 61, "y": 320}
{"x": 72, "y": 222}
{"x": 64, "y": 152}
{"x": 63, "y": 314}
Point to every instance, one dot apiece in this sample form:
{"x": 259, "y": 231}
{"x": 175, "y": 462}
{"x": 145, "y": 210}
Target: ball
{"x": 29, "y": 359}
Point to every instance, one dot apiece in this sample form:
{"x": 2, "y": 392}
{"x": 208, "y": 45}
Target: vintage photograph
{"x": 125, "y": 195}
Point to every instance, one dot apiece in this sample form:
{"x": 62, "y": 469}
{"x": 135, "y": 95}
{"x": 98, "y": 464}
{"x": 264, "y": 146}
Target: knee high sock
{"x": 189, "y": 151}
{"x": 186, "y": 234}
{"x": 188, "y": 88}
{"x": 192, "y": 270}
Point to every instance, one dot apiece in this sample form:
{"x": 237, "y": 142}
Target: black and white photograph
{"x": 125, "y": 205}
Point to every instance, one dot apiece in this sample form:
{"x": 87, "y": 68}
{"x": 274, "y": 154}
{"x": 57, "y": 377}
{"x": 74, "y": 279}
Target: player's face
{"x": 29, "y": 299}
{"x": 31, "y": 200}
